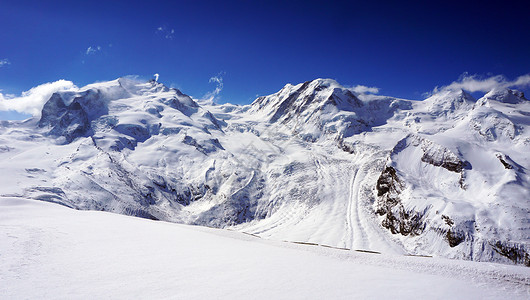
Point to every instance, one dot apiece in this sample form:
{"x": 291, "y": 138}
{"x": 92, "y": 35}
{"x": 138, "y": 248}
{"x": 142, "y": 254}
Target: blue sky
{"x": 403, "y": 48}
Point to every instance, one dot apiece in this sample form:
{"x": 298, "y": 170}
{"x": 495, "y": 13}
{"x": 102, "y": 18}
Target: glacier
{"x": 315, "y": 163}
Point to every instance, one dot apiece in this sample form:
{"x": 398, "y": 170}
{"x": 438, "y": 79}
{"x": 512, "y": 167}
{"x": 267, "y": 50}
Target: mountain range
{"x": 315, "y": 163}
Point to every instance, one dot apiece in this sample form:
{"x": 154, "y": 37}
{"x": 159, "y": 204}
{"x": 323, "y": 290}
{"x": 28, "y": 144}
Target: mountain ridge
{"x": 314, "y": 162}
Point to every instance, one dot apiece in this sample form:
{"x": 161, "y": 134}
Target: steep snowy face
{"x": 503, "y": 95}
{"x": 303, "y": 100}
{"x": 449, "y": 102}
{"x": 428, "y": 190}
{"x": 314, "y": 162}
{"x": 323, "y": 107}
{"x": 121, "y": 113}
{"x": 439, "y": 112}
{"x": 501, "y": 115}
{"x": 123, "y": 131}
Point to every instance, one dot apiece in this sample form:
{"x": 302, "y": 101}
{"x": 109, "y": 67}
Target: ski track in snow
{"x": 361, "y": 239}
{"x": 364, "y": 237}
{"x": 349, "y": 212}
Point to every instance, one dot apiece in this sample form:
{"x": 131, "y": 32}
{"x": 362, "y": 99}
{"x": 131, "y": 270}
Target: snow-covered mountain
{"x": 314, "y": 162}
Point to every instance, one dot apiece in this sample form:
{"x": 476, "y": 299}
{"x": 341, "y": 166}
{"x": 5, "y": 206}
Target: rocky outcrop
{"x": 503, "y": 160}
{"x": 73, "y": 120}
{"x": 433, "y": 153}
{"x": 515, "y": 253}
{"x": 396, "y": 218}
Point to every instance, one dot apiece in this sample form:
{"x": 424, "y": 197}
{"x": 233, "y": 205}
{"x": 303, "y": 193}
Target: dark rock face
{"x": 433, "y": 153}
{"x": 182, "y": 195}
{"x": 207, "y": 146}
{"x": 404, "y": 223}
{"x": 441, "y": 157}
{"x": 503, "y": 161}
{"x": 52, "y": 111}
{"x": 397, "y": 218}
{"x": 388, "y": 181}
{"x": 73, "y": 120}
{"x": 186, "y": 106}
{"x": 454, "y": 238}
{"x": 514, "y": 253}
{"x": 450, "y": 163}
{"x": 69, "y": 121}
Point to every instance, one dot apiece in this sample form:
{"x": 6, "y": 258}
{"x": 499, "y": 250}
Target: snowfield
{"x": 50, "y": 251}
{"x": 315, "y": 162}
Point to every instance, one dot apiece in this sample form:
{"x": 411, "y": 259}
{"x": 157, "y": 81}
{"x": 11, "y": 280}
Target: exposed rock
{"x": 433, "y": 153}
{"x": 514, "y": 253}
{"x": 73, "y": 120}
{"x": 448, "y": 220}
{"x": 396, "y": 218}
{"x": 454, "y": 238}
{"x": 388, "y": 182}
{"x": 503, "y": 161}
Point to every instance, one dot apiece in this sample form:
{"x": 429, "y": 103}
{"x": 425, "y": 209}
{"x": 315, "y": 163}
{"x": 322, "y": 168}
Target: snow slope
{"x": 314, "y": 162}
{"x": 49, "y": 251}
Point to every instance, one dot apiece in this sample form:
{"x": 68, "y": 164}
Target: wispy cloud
{"x": 4, "y": 62}
{"x": 362, "y": 89}
{"x": 218, "y": 80}
{"x": 32, "y": 101}
{"x": 476, "y": 83}
{"x": 167, "y": 33}
{"x": 93, "y": 50}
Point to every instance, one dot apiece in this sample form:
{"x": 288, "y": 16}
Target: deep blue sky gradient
{"x": 404, "y": 48}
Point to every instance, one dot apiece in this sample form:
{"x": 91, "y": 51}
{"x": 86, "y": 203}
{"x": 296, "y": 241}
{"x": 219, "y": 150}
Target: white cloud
{"x": 475, "y": 83}
{"x": 6, "y": 96}
{"x": 218, "y": 80}
{"x": 166, "y": 32}
{"x": 92, "y": 50}
{"x": 32, "y": 101}
{"x": 362, "y": 89}
{"x": 4, "y": 62}
{"x": 522, "y": 81}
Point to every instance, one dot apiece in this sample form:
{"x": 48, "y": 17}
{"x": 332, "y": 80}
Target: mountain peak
{"x": 447, "y": 93}
{"x": 449, "y": 101}
{"x": 325, "y": 83}
{"x": 466, "y": 95}
{"x": 306, "y": 99}
{"x": 504, "y": 95}
{"x": 72, "y": 114}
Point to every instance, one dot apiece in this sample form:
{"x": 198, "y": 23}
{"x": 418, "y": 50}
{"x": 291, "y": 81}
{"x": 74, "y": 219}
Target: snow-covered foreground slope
{"x": 314, "y": 162}
{"x": 50, "y": 251}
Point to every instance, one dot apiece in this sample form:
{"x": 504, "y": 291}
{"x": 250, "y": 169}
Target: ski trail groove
{"x": 360, "y": 238}
{"x": 349, "y": 232}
